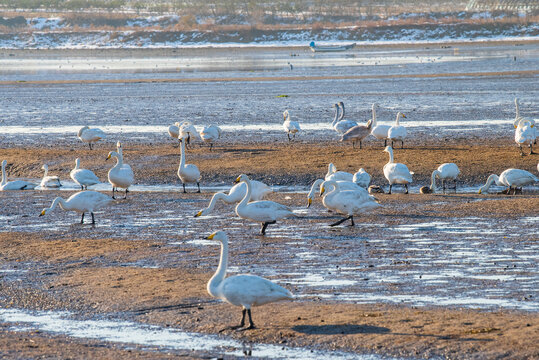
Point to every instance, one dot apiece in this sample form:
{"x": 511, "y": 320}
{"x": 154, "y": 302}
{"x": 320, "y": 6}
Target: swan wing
{"x": 88, "y": 201}
{"x": 84, "y": 177}
{"x": 174, "y": 131}
{"x": 252, "y": 290}
{"x": 397, "y": 173}
{"x": 18, "y": 185}
{"x": 258, "y": 190}
{"x": 397, "y": 132}
{"x": 340, "y": 176}
{"x": 380, "y": 131}
{"x": 263, "y": 211}
{"x": 344, "y": 125}
{"x": 517, "y": 177}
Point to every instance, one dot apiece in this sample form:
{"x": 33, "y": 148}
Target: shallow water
{"x": 156, "y": 338}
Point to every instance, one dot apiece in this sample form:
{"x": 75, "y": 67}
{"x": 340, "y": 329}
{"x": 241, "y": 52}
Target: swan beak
{"x": 479, "y": 191}
{"x": 42, "y": 213}
{"x": 108, "y": 157}
{"x": 237, "y": 180}
{"x": 404, "y": 116}
{"x": 310, "y": 201}
{"x": 210, "y": 237}
{"x": 198, "y": 214}
{"x": 322, "y": 191}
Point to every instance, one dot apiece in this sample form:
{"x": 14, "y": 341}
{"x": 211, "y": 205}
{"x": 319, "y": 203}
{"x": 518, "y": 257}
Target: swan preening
{"x": 210, "y": 134}
{"x": 445, "y": 172}
{"x": 512, "y": 178}
{"x": 339, "y": 124}
{"x": 362, "y": 178}
{"x": 335, "y": 175}
{"x": 236, "y": 193}
{"x": 16, "y": 184}
{"x": 83, "y": 177}
{"x": 347, "y": 202}
{"x": 242, "y": 290}
{"x": 90, "y": 136}
{"x": 178, "y": 130}
{"x": 188, "y": 173}
{"x": 265, "y": 212}
{"x": 49, "y": 181}
{"x": 397, "y": 132}
{"x": 121, "y": 175}
{"x": 81, "y": 202}
{"x": 291, "y": 127}
{"x": 525, "y": 134}
{"x": 343, "y": 185}
{"x": 396, "y": 173}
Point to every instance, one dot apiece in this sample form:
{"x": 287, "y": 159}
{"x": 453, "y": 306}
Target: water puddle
{"x": 154, "y": 338}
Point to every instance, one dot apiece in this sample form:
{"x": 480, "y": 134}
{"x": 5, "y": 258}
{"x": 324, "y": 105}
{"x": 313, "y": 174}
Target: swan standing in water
{"x": 90, "y": 136}
{"x": 335, "y": 175}
{"x": 447, "y": 171}
{"x": 343, "y": 185}
{"x": 188, "y": 173}
{"x": 512, "y": 178}
{"x": 81, "y": 202}
{"x": 236, "y": 193}
{"x": 16, "y": 184}
{"x": 362, "y": 178}
{"x": 525, "y": 134}
{"x": 396, "y": 173}
{"x": 210, "y": 134}
{"x": 243, "y": 290}
{"x": 397, "y": 132}
{"x": 291, "y": 127}
{"x": 49, "y": 181}
{"x": 347, "y": 202}
{"x": 339, "y": 124}
{"x": 265, "y": 212}
{"x": 83, "y": 177}
{"x": 121, "y": 175}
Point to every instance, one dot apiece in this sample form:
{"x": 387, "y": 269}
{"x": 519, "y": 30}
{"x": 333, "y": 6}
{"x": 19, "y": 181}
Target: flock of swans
{"x": 342, "y": 192}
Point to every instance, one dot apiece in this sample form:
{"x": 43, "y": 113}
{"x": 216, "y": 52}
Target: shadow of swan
{"x": 340, "y": 329}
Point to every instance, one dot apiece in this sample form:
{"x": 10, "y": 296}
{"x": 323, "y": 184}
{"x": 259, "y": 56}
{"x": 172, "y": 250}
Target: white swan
{"x": 335, "y": 175}
{"x": 188, "y": 173}
{"x": 210, "y": 134}
{"x": 243, "y": 290}
{"x": 81, "y": 202}
{"x": 339, "y": 124}
{"x": 90, "y": 136}
{"x": 347, "y": 202}
{"x": 188, "y": 130}
{"x": 512, "y": 178}
{"x": 83, "y": 177}
{"x": 236, "y": 193}
{"x": 447, "y": 171}
{"x": 49, "y": 181}
{"x": 379, "y": 131}
{"x": 362, "y": 178}
{"x": 265, "y": 212}
{"x": 121, "y": 175}
{"x": 291, "y": 127}
{"x": 397, "y": 132}
{"x": 396, "y": 173}
{"x": 174, "y": 130}
{"x": 16, "y": 184}
{"x": 343, "y": 185}
{"x": 518, "y": 118}
{"x": 525, "y": 135}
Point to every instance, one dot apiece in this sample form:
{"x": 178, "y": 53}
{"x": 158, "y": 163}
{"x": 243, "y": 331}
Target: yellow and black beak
{"x": 210, "y": 237}
{"x": 309, "y": 201}
{"x": 322, "y": 190}
{"x": 198, "y": 213}
{"x": 108, "y": 157}
{"x": 237, "y": 180}
{"x": 479, "y": 191}
{"x": 42, "y": 213}
{"x": 404, "y": 116}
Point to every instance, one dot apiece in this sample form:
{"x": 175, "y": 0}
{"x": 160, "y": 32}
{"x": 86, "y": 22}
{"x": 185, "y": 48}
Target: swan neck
{"x": 46, "y": 168}
{"x": 316, "y": 185}
{"x": 433, "y": 180}
{"x": 517, "y": 109}
{"x": 390, "y": 152}
{"x": 491, "y": 179}
{"x": 182, "y": 151}
{"x": 373, "y": 116}
{"x": 342, "y": 114}
{"x": 4, "y": 177}
{"x": 336, "y": 116}
{"x": 397, "y": 120}
{"x": 77, "y": 164}
{"x": 119, "y": 160}
{"x": 59, "y": 201}
{"x": 214, "y": 199}
{"x": 247, "y": 196}
{"x": 220, "y": 273}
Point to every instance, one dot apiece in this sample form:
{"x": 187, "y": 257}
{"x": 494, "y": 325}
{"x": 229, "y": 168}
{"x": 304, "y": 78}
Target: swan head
{"x": 241, "y": 178}
{"x": 309, "y": 202}
{"x": 285, "y": 114}
{"x": 425, "y": 190}
{"x": 44, "y": 212}
{"x": 200, "y": 213}
{"x": 218, "y": 236}
{"x": 184, "y": 136}
{"x": 401, "y": 115}
{"x": 45, "y": 167}
{"x": 112, "y": 154}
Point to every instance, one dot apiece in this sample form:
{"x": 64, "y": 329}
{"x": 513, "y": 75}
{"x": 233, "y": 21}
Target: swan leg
{"x": 126, "y": 191}
{"x": 82, "y": 187}
{"x": 90, "y": 145}
{"x": 521, "y": 153}
{"x": 113, "y": 189}
{"x": 406, "y": 186}
{"x": 93, "y": 219}
{"x": 531, "y": 149}
{"x": 402, "y": 144}
{"x": 352, "y": 220}
{"x": 390, "y": 186}
{"x": 360, "y": 144}
{"x": 385, "y": 142}
{"x": 342, "y": 220}
{"x": 443, "y": 186}
{"x": 211, "y": 146}
{"x": 184, "y": 188}
{"x": 251, "y": 323}
{"x": 82, "y": 219}
{"x": 265, "y": 225}
{"x": 288, "y": 134}
{"x": 198, "y": 184}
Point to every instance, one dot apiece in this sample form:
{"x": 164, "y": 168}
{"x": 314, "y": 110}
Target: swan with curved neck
{"x": 348, "y": 202}
{"x": 397, "y": 132}
{"x": 512, "y": 178}
{"x": 188, "y": 173}
{"x": 447, "y": 171}
{"x": 49, "y": 181}
{"x": 121, "y": 175}
{"x": 519, "y": 119}
{"x": 236, "y": 193}
{"x": 13, "y": 185}
{"x": 242, "y": 290}
{"x": 291, "y": 127}
{"x": 210, "y": 134}
{"x": 83, "y": 177}
{"x": 81, "y": 202}
{"x": 343, "y": 185}
{"x": 396, "y": 173}
{"x": 90, "y": 136}
{"x": 265, "y": 212}
{"x": 341, "y": 126}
